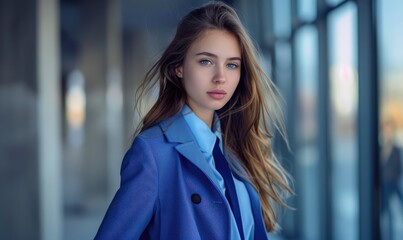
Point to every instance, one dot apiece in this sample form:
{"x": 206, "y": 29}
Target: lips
{"x": 217, "y": 94}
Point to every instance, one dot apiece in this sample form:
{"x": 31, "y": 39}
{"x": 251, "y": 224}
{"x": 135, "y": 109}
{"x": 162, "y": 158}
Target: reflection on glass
{"x": 391, "y": 173}
{"x": 267, "y": 64}
{"x": 282, "y": 78}
{"x": 282, "y": 17}
{"x": 333, "y": 2}
{"x": 343, "y": 113}
{"x": 391, "y": 118}
{"x": 306, "y": 9}
{"x": 307, "y": 147}
{"x": 283, "y": 69}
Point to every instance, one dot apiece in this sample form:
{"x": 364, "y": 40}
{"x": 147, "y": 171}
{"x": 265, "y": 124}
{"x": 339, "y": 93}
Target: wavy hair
{"x": 244, "y": 119}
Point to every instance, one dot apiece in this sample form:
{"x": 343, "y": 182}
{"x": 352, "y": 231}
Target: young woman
{"x": 201, "y": 165}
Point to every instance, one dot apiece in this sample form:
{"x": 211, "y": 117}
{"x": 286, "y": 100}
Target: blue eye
{"x": 205, "y": 62}
{"x": 232, "y": 66}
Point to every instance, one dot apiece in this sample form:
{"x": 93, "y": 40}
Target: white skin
{"x": 211, "y": 72}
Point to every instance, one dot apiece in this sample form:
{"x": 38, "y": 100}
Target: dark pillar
{"x": 92, "y": 62}
{"x": 19, "y": 201}
{"x": 325, "y": 171}
{"x": 29, "y": 153}
{"x": 368, "y": 115}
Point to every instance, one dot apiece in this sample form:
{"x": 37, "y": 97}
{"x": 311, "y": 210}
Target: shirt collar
{"x": 204, "y": 136}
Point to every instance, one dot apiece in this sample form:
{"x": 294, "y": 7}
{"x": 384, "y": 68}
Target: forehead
{"x": 219, "y": 42}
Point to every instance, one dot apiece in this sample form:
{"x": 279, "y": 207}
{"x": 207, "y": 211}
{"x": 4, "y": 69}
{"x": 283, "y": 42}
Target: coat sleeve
{"x": 136, "y": 200}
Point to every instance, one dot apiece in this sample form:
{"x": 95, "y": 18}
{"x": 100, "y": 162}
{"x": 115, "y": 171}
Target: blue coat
{"x": 160, "y": 173}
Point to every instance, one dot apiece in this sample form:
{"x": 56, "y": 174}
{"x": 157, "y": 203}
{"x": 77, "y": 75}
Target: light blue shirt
{"x": 205, "y": 138}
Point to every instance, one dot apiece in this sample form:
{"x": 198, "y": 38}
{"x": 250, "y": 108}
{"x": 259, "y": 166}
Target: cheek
{"x": 191, "y": 85}
{"x": 236, "y": 81}
{"x": 237, "y": 84}
{"x": 193, "y": 79}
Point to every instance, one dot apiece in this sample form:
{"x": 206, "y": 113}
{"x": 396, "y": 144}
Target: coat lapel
{"x": 260, "y": 229}
{"x": 176, "y": 130}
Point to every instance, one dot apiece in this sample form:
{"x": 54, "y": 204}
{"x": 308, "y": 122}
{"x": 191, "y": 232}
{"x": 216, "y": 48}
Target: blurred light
{"x": 344, "y": 85}
{"x": 75, "y": 107}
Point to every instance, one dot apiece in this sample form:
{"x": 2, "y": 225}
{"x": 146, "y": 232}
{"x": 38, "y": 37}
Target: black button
{"x": 196, "y": 198}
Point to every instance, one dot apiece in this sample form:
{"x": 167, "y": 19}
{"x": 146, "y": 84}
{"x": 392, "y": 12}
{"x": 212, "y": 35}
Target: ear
{"x": 179, "y": 72}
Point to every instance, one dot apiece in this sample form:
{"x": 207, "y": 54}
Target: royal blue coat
{"x": 168, "y": 191}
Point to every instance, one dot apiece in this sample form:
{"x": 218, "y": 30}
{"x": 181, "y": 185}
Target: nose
{"x": 219, "y": 76}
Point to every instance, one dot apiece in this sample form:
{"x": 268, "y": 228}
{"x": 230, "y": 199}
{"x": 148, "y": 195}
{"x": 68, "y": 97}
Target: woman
{"x": 175, "y": 181}
{"x": 391, "y": 174}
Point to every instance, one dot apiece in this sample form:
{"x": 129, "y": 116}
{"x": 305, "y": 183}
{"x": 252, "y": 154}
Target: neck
{"x": 207, "y": 119}
{"x": 205, "y": 116}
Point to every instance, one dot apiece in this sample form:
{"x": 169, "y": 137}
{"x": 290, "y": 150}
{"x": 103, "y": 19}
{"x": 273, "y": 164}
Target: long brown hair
{"x": 244, "y": 119}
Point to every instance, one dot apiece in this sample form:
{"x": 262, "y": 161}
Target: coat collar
{"x": 176, "y": 130}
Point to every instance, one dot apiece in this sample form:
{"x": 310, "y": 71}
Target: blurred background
{"x": 68, "y": 74}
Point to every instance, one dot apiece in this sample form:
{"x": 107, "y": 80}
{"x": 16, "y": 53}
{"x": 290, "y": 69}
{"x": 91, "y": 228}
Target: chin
{"x": 218, "y": 107}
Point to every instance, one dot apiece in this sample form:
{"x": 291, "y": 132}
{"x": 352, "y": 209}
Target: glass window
{"x": 307, "y": 152}
{"x": 283, "y": 68}
{"x": 343, "y": 121}
{"x": 282, "y": 78}
{"x": 333, "y": 2}
{"x": 282, "y": 17}
{"x": 267, "y": 64}
{"x": 306, "y": 9}
{"x": 391, "y": 117}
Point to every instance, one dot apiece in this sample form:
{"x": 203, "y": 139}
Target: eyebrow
{"x": 215, "y": 56}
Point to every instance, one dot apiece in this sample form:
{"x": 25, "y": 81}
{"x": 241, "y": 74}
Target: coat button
{"x": 196, "y": 198}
